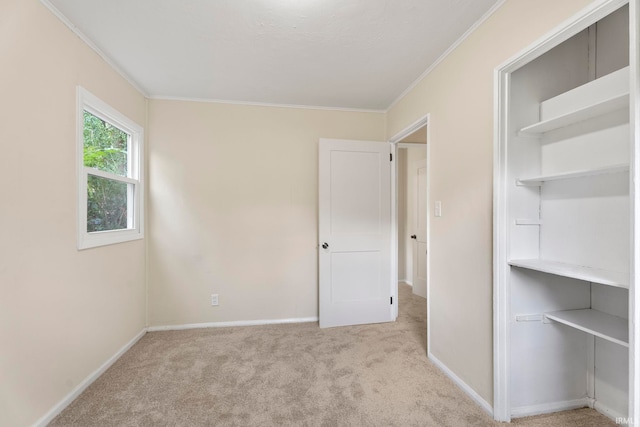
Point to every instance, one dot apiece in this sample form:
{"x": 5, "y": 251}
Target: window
{"x": 110, "y": 187}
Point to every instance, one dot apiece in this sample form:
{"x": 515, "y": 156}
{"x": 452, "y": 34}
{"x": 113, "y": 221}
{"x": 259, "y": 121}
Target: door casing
{"x": 395, "y": 141}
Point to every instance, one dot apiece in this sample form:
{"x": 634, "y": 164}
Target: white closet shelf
{"x": 538, "y": 180}
{"x": 593, "y": 275}
{"x": 610, "y": 105}
{"x": 594, "y": 322}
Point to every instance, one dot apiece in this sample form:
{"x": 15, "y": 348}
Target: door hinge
{"x": 391, "y": 157}
{"x": 391, "y": 300}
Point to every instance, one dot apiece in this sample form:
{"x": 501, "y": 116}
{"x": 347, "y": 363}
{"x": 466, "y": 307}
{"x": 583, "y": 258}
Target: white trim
{"x": 56, "y": 12}
{"x": 59, "y": 407}
{"x": 86, "y": 101}
{"x": 231, "y": 323}
{"x": 108, "y": 175}
{"x": 448, "y": 52}
{"x": 608, "y": 412}
{"x": 547, "y": 408}
{"x": 145, "y": 164}
{"x": 428, "y": 202}
{"x": 420, "y": 123}
{"x": 567, "y": 405}
{"x": 634, "y": 175}
{"x": 464, "y": 386}
{"x": 406, "y": 282}
{"x": 395, "y": 250}
{"x": 265, "y": 104}
{"x": 501, "y": 328}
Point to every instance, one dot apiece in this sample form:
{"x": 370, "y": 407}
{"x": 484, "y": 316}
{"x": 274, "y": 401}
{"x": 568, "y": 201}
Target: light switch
{"x": 438, "y": 210}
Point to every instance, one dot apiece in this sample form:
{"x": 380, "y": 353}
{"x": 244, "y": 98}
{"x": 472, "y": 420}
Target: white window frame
{"x": 86, "y": 101}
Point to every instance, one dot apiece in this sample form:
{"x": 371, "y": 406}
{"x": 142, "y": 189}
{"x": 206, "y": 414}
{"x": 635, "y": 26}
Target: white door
{"x": 420, "y": 229}
{"x": 354, "y": 232}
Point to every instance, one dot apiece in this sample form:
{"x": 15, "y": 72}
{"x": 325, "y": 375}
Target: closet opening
{"x": 563, "y": 234}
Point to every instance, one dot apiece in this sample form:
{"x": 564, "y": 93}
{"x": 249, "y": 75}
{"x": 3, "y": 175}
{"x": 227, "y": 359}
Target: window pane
{"x": 106, "y": 204}
{"x": 105, "y": 146}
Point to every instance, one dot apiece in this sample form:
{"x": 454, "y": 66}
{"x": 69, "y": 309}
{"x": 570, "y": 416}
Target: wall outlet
{"x": 214, "y": 299}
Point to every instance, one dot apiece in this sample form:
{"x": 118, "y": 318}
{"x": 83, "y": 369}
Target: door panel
{"x": 355, "y": 224}
{"x": 355, "y": 192}
{"x": 355, "y": 276}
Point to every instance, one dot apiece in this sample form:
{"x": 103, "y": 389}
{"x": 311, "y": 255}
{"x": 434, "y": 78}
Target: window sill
{"x": 105, "y": 238}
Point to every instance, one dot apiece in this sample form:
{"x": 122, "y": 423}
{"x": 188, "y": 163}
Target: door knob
{"x": 413, "y": 236}
{"x": 325, "y": 245}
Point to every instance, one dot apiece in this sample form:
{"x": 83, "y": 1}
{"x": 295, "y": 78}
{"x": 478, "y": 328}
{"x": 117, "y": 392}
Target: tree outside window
{"x": 105, "y": 148}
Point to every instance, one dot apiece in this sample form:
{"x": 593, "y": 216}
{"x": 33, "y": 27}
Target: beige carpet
{"x": 288, "y": 375}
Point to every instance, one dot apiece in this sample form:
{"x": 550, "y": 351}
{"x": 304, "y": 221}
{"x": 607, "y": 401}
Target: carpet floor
{"x": 289, "y": 375}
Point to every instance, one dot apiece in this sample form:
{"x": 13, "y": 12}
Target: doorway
{"x": 411, "y": 210}
{"x": 412, "y": 236}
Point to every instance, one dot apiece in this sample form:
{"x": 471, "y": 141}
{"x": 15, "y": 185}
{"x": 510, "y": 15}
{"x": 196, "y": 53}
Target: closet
{"x": 563, "y": 224}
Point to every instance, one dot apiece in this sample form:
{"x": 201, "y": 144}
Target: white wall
{"x": 458, "y": 94}
{"x": 63, "y": 312}
{"x": 233, "y": 210}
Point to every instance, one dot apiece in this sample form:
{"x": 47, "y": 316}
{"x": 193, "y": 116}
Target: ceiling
{"x": 360, "y": 54}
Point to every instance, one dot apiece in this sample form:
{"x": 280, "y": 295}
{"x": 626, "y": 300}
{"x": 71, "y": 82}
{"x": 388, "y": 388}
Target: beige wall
{"x": 459, "y": 96}
{"x": 63, "y": 313}
{"x": 233, "y": 209}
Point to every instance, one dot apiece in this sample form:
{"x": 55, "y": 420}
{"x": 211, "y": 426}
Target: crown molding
{"x": 265, "y": 104}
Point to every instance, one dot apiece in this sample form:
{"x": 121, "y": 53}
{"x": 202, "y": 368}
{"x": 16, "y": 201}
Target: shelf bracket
{"x": 523, "y": 221}
{"x": 529, "y": 318}
{"x": 527, "y": 183}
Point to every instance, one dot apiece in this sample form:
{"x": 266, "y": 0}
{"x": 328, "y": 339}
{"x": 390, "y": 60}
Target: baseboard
{"x": 228, "y": 324}
{"x": 406, "y": 282}
{"x": 59, "y": 407}
{"x": 613, "y": 415}
{"x": 567, "y": 405}
{"x": 547, "y": 408}
{"x": 464, "y": 386}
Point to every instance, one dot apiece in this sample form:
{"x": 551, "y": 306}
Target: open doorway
{"x": 411, "y": 220}
{"x": 412, "y": 216}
